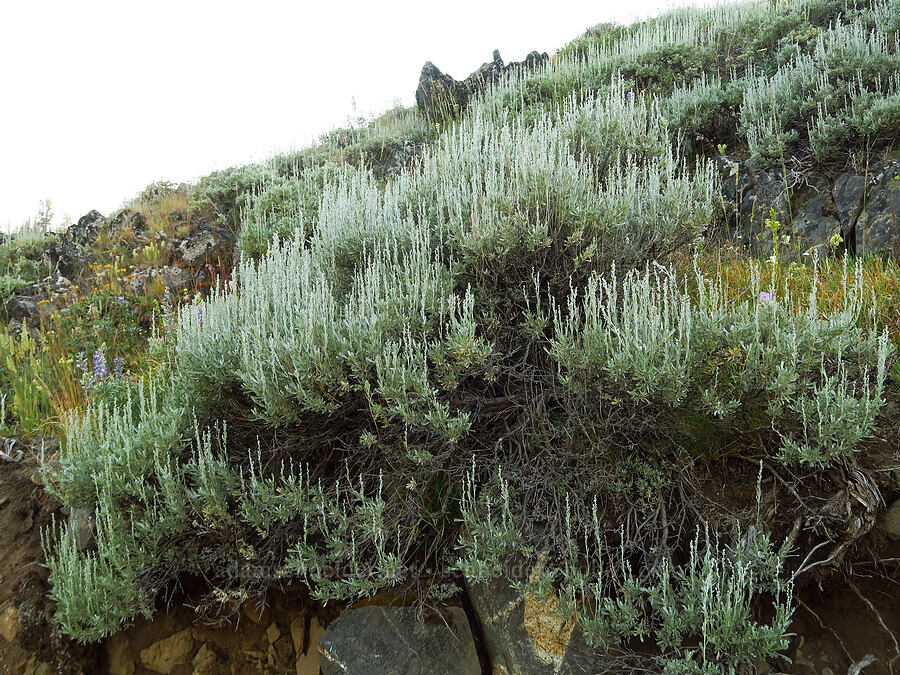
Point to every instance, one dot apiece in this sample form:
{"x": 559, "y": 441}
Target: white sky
{"x": 100, "y": 98}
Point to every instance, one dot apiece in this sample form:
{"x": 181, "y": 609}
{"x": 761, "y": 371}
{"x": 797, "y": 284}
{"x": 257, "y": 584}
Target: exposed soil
{"x": 25, "y": 612}
{"x": 836, "y": 625}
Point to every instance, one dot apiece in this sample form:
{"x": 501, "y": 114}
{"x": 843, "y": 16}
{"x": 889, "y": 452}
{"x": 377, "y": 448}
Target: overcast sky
{"x": 99, "y": 99}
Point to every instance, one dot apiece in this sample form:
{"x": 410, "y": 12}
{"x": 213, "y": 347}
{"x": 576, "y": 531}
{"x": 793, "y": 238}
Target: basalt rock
{"x": 27, "y": 308}
{"x": 393, "y": 641}
{"x": 878, "y": 227}
{"x": 70, "y": 254}
{"x": 176, "y": 279}
{"x": 127, "y": 219}
{"x": 523, "y": 632}
{"x": 84, "y": 232}
{"x": 207, "y": 245}
{"x": 832, "y": 214}
{"x": 440, "y": 97}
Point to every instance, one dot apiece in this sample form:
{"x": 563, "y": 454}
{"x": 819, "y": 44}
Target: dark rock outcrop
{"x": 176, "y": 279}
{"x": 878, "y": 225}
{"x": 848, "y": 212}
{"x": 208, "y": 244}
{"x": 27, "y": 308}
{"x": 69, "y": 255}
{"x": 440, "y": 97}
{"x": 84, "y": 232}
{"x": 128, "y": 219}
{"x": 393, "y": 641}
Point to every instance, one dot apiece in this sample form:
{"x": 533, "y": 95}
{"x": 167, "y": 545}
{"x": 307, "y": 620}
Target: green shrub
{"x": 649, "y": 341}
{"x": 21, "y": 257}
{"x": 216, "y": 197}
{"x": 281, "y": 208}
{"x": 491, "y": 356}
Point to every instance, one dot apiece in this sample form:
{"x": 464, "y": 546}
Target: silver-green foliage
{"x": 381, "y": 299}
{"x": 701, "y": 613}
{"x": 817, "y": 380}
{"x": 842, "y": 90}
{"x": 282, "y": 206}
{"x": 778, "y": 77}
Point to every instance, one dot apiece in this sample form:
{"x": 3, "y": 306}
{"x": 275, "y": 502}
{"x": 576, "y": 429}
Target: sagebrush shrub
{"x": 491, "y": 355}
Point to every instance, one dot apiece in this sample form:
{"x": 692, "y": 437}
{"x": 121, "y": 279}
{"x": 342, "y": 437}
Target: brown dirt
{"x": 837, "y": 625}
{"x": 25, "y": 509}
{"x": 834, "y": 625}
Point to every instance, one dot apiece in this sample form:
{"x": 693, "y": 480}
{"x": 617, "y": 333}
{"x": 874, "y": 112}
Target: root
{"x": 881, "y": 622}
{"x": 828, "y": 628}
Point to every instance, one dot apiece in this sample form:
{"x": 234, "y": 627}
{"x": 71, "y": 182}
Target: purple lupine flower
{"x": 200, "y": 316}
{"x": 120, "y": 300}
{"x": 629, "y": 96}
{"x": 118, "y": 366}
{"x": 765, "y": 297}
{"x": 100, "y": 370}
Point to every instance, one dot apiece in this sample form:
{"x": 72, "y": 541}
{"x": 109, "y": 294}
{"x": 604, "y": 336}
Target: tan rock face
{"x": 273, "y": 633}
{"x": 119, "y": 660}
{"x": 298, "y": 633}
{"x": 550, "y": 633}
{"x": 9, "y": 623}
{"x": 204, "y": 662}
{"x": 308, "y": 663}
{"x": 163, "y": 656}
{"x": 257, "y": 611}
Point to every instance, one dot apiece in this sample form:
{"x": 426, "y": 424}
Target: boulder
{"x": 176, "y": 279}
{"x": 207, "y": 245}
{"x": 126, "y": 219}
{"x": 523, "y": 632}
{"x": 878, "y": 227}
{"x": 165, "y": 655}
{"x": 84, "y": 232}
{"x": 69, "y": 255}
{"x": 380, "y": 640}
{"x": 28, "y": 308}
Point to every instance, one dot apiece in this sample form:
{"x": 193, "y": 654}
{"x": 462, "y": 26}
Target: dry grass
{"x": 166, "y": 212}
{"x": 881, "y": 281}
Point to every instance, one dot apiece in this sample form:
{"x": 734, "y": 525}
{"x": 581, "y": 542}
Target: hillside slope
{"x": 609, "y": 339}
